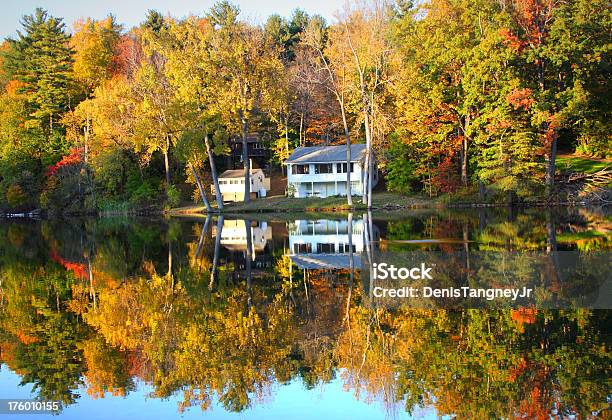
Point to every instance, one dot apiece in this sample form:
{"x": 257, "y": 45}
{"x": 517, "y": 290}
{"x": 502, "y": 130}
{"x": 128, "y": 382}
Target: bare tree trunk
{"x": 167, "y": 161}
{"x": 464, "y": 161}
{"x": 551, "y": 247}
{"x": 92, "y": 290}
{"x": 481, "y": 191}
{"x": 551, "y": 233}
{"x": 369, "y": 257}
{"x": 245, "y": 161}
{"x": 170, "y": 260}
{"x": 347, "y": 135}
{"x": 551, "y": 156}
{"x": 213, "y": 171}
{"x": 86, "y": 158}
{"x": 200, "y": 188}
{"x": 351, "y": 267}
{"x": 86, "y": 150}
{"x": 370, "y": 177}
{"x": 466, "y": 247}
{"x": 249, "y": 256}
{"x": 464, "y": 149}
{"x": 283, "y": 167}
{"x": 364, "y": 181}
{"x": 366, "y": 199}
{"x": 302, "y": 143}
{"x": 215, "y": 263}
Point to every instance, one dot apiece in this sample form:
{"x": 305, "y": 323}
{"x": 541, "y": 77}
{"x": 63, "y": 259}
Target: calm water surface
{"x": 270, "y": 318}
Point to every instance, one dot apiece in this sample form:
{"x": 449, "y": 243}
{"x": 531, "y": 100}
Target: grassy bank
{"x": 466, "y": 197}
{"x": 582, "y": 164}
{"x": 383, "y": 200}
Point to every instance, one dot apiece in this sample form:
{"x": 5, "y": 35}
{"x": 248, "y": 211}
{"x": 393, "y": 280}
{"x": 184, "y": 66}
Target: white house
{"x": 233, "y": 235}
{"x": 231, "y": 184}
{"x": 321, "y": 171}
{"x": 324, "y": 244}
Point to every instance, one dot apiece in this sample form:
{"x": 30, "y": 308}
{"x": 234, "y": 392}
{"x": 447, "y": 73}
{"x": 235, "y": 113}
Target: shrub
{"x": 401, "y": 169}
{"x": 173, "y": 195}
{"x": 145, "y": 192}
{"x": 15, "y": 196}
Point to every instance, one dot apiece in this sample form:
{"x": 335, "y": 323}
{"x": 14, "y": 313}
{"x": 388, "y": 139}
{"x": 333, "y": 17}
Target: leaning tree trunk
{"x": 215, "y": 263}
{"x": 200, "y": 188}
{"x": 213, "y": 171}
{"x": 203, "y": 233}
{"x": 246, "y": 162}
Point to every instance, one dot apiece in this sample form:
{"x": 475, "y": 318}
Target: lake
{"x": 275, "y": 317}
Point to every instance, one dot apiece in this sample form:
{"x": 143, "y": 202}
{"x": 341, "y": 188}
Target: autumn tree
{"x": 94, "y": 43}
{"x": 331, "y": 61}
{"x": 190, "y": 70}
{"x": 157, "y": 120}
{"x": 248, "y": 71}
{"x": 553, "y": 54}
{"x": 361, "y": 35}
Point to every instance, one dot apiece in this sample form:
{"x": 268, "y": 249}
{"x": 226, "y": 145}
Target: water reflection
{"x": 327, "y": 244}
{"x": 220, "y": 311}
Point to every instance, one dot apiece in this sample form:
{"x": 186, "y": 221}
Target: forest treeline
{"x": 450, "y": 95}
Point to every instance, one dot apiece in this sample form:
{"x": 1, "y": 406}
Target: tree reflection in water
{"x": 178, "y": 305}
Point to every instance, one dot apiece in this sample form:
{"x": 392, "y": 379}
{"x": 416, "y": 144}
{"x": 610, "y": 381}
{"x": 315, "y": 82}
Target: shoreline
{"x": 385, "y": 202}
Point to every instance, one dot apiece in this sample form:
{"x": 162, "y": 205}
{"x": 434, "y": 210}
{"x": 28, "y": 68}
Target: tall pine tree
{"x": 41, "y": 60}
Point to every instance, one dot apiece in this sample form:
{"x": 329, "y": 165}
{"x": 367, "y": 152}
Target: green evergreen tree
{"x": 41, "y": 60}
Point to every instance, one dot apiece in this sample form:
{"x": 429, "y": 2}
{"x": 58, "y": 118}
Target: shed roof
{"x": 326, "y": 154}
{"x": 237, "y": 173}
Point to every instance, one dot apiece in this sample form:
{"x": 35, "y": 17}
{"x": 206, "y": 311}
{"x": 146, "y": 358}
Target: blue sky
{"x": 132, "y": 12}
{"x": 292, "y": 400}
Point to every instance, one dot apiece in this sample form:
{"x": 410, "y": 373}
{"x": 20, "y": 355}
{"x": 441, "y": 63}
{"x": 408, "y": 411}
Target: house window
{"x": 301, "y": 248}
{"x": 345, "y": 248}
{"x": 300, "y": 169}
{"x": 341, "y": 168}
{"x": 323, "y": 168}
{"x": 257, "y": 146}
{"x": 325, "y": 248}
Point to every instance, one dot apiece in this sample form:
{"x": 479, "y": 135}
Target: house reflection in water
{"x": 234, "y": 239}
{"x": 233, "y": 235}
{"x": 324, "y": 244}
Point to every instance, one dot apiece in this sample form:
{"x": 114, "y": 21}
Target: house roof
{"x": 237, "y": 173}
{"x": 251, "y": 138}
{"x": 326, "y": 154}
